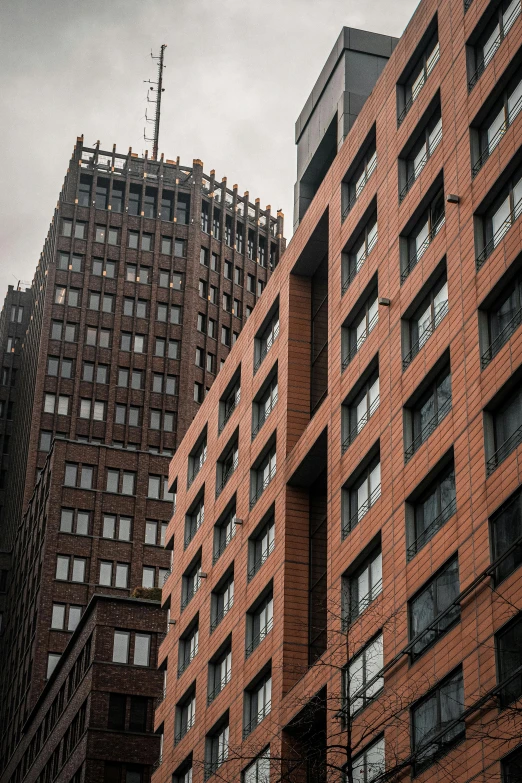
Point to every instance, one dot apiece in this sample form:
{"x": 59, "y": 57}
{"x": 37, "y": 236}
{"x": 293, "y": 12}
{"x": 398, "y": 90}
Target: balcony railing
{"x": 214, "y": 693}
{"x": 258, "y": 562}
{"x": 428, "y": 331}
{"x": 363, "y": 421}
{"x": 187, "y": 660}
{"x": 504, "y": 451}
{"x": 498, "y": 235}
{"x": 362, "y": 184}
{"x": 501, "y": 339}
{"x": 362, "y": 510}
{"x": 224, "y": 610}
{"x": 355, "y": 268}
{"x": 229, "y": 470}
{"x": 258, "y": 638}
{"x": 428, "y": 533}
{"x": 488, "y": 56}
{"x": 229, "y": 409}
{"x": 427, "y": 430}
{"x": 196, "y": 467}
{"x": 496, "y": 138}
{"x": 416, "y": 257}
{"x": 211, "y": 767}
{"x": 430, "y": 64}
{"x": 256, "y": 720}
{"x": 257, "y": 494}
{"x": 223, "y": 544}
{"x": 360, "y": 341}
{"x": 181, "y": 733}
{"x": 430, "y": 149}
{"x": 192, "y": 528}
{"x": 266, "y": 347}
{"x": 190, "y": 595}
{"x": 264, "y": 415}
{"x": 160, "y": 699}
{"x": 357, "y": 609}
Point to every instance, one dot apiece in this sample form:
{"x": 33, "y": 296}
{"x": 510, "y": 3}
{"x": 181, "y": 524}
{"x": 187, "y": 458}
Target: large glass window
{"x": 362, "y": 681}
{"x": 430, "y": 614}
{"x": 493, "y": 35}
{"x": 429, "y": 411}
{"x": 500, "y": 217}
{"x": 433, "y": 509}
{"x": 425, "y": 320}
{"x": 362, "y": 587}
{"x": 356, "y": 334}
{"x": 506, "y": 536}
{"x": 438, "y": 716}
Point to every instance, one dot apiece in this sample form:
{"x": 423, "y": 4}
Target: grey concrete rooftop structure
{"x": 346, "y": 80}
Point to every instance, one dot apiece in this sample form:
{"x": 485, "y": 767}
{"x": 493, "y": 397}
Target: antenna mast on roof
{"x": 157, "y": 102}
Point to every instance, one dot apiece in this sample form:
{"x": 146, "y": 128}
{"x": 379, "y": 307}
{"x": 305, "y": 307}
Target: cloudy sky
{"x": 238, "y": 73}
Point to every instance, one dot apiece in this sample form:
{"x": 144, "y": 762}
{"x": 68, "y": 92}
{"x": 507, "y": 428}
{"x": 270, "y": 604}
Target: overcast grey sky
{"x": 238, "y": 73}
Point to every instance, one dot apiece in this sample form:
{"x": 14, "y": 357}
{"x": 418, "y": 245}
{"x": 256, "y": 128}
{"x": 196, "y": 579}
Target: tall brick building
{"x": 148, "y": 273}
{"x": 346, "y": 584}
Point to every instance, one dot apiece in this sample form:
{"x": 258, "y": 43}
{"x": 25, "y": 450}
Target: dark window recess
{"x": 497, "y": 221}
{"x": 418, "y": 72}
{"x": 185, "y": 715}
{"x": 509, "y": 661}
{"x": 191, "y": 582}
{"x": 437, "y": 722}
{"x": 229, "y": 402}
{"x": 506, "y": 536}
{"x": 319, "y": 336}
{"x": 216, "y": 749}
{"x": 425, "y": 320}
{"x": 425, "y": 416}
{"x": 135, "y": 200}
{"x": 117, "y": 710}
{"x": 194, "y": 519}
{"x": 260, "y": 621}
{"x": 416, "y": 158}
{"x": 432, "y": 510}
{"x": 220, "y": 672}
{"x": 117, "y": 196}
{"x": 226, "y": 465}
{"x": 417, "y": 241}
{"x": 183, "y": 208}
{"x": 150, "y": 203}
{"x": 481, "y": 54}
{"x": 265, "y": 339}
{"x": 353, "y": 259}
{"x": 506, "y": 422}
{"x": 355, "y": 334}
{"x": 224, "y": 532}
{"x": 503, "y": 319}
{"x": 216, "y": 224}
{"x": 433, "y": 610}
{"x": 512, "y": 767}
{"x": 188, "y": 647}
{"x": 499, "y": 119}
{"x": 317, "y": 569}
{"x": 205, "y": 217}
{"x": 197, "y": 458}
{"x": 138, "y": 713}
{"x": 84, "y": 191}
{"x": 222, "y": 601}
{"x": 264, "y": 403}
{"x": 101, "y": 198}
{"x": 167, "y": 205}
{"x": 258, "y": 703}
{"x": 262, "y": 474}
{"x": 359, "y": 410}
{"x": 360, "y": 587}
{"x": 361, "y": 494}
{"x": 352, "y": 189}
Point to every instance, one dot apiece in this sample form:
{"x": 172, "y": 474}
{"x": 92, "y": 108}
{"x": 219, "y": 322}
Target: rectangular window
{"x": 422, "y": 419}
{"x": 258, "y": 704}
{"x": 185, "y": 717}
{"x": 265, "y": 339}
{"x": 432, "y": 509}
{"x": 188, "y": 647}
{"x": 506, "y": 534}
{"x": 362, "y": 678}
{"x": 362, "y": 587}
{"x": 358, "y": 251}
{"x": 416, "y": 74}
{"x": 425, "y": 319}
{"x": 260, "y": 546}
{"x": 260, "y": 621}
{"x": 216, "y": 751}
{"x": 370, "y": 764}
{"x": 183, "y": 208}
{"x": 262, "y": 475}
{"x": 441, "y": 708}
{"x": 431, "y": 612}
{"x": 356, "y": 332}
{"x": 420, "y": 237}
{"x": 359, "y": 409}
{"x": 222, "y": 601}
{"x": 121, "y": 646}
{"x": 509, "y": 660}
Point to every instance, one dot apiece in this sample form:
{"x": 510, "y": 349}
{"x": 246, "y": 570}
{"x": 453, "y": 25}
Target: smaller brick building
{"x": 94, "y": 719}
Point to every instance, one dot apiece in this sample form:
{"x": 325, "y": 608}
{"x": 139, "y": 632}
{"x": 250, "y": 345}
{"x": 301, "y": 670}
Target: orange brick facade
{"x": 309, "y": 443}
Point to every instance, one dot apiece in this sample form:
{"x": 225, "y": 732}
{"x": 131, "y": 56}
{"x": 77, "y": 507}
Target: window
{"x": 118, "y": 527}
{"x": 356, "y": 331}
{"x": 512, "y": 767}
{"x": 356, "y": 179}
{"x": 183, "y": 208}
{"x": 220, "y": 672}
{"x": 167, "y": 205}
{"x": 216, "y": 750}
{"x": 199, "y": 392}
{"x": 503, "y": 426}
{"x": 155, "y": 532}
{"x": 142, "y": 649}
{"x": 62, "y": 619}
{"x": 497, "y": 221}
{"x": 117, "y": 576}
{"x": 201, "y": 322}
{"x": 113, "y": 236}
{"x": 180, "y": 248}
{"x": 260, "y": 620}
{"x": 370, "y": 764}
{"x": 509, "y": 660}
{"x": 441, "y": 708}
{"x": 216, "y": 224}
{"x": 492, "y": 36}
{"x": 66, "y": 228}
{"x": 417, "y": 240}
{"x": 121, "y": 482}
{"x": 72, "y": 521}
{"x": 258, "y": 703}
{"x": 191, "y": 582}
{"x": 432, "y": 509}
{"x": 224, "y": 532}
{"x": 417, "y": 74}
{"x": 425, "y": 319}
{"x": 225, "y": 335}
{"x": 226, "y": 465}
{"x": 78, "y": 475}
{"x": 259, "y": 770}
{"x": 227, "y": 302}
{"x": 361, "y": 493}
{"x": 499, "y": 119}
{"x": 432, "y": 611}
{"x": 212, "y": 328}
{"x": 260, "y": 546}
{"x": 265, "y": 339}
{"x": 262, "y": 475}
{"x": 506, "y": 530}
{"x": 188, "y": 647}
{"x": 359, "y": 408}
{"x": 79, "y": 230}
{"x": 52, "y": 662}
{"x": 417, "y": 153}
{"x": 72, "y": 569}
{"x": 58, "y": 617}
{"x": 194, "y": 519}
{"x": 203, "y": 256}
{"x": 502, "y": 319}
{"x": 358, "y": 251}
{"x": 229, "y": 401}
{"x": 251, "y": 283}
{"x": 185, "y": 716}
{"x": 205, "y": 217}
{"x": 361, "y": 683}
{"x": 361, "y": 587}
{"x": 222, "y": 600}
{"x": 427, "y": 412}
{"x": 121, "y": 646}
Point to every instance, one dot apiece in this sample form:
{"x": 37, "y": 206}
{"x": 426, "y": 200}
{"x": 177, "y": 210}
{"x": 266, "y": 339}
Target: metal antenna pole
{"x": 157, "y": 102}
